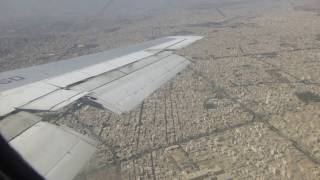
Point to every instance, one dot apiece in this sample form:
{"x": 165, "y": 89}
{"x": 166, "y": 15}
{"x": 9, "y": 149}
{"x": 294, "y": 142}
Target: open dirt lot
{"x": 248, "y": 107}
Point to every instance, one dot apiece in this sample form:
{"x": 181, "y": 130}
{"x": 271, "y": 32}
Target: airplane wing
{"x": 117, "y": 80}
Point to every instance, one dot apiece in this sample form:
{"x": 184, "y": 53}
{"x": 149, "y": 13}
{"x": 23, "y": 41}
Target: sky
{"x": 11, "y": 10}
{"x": 24, "y": 9}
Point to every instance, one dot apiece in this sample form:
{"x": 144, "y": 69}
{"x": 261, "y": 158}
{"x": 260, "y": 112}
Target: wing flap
{"x": 43, "y": 145}
{"x": 53, "y": 151}
{"x": 178, "y": 43}
{"x": 126, "y": 93}
{"x": 163, "y": 46}
{"x": 4, "y": 110}
{"x": 67, "y": 79}
{"x": 98, "y": 81}
{"x": 52, "y": 100}
{"x": 14, "y": 98}
{"x": 72, "y": 162}
{"x": 12, "y": 126}
{"x": 68, "y": 101}
{"x": 188, "y": 40}
{"x": 144, "y": 62}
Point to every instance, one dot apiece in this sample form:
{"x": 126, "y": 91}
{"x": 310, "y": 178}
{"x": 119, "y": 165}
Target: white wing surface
{"x": 138, "y": 70}
{"x": 118, "y": 80}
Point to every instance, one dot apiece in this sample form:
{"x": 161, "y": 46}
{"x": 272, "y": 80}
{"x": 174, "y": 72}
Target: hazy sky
{"x": 48, "y": 8}
{"x": 13, "y": 9}
{"x": 58, "y": 8}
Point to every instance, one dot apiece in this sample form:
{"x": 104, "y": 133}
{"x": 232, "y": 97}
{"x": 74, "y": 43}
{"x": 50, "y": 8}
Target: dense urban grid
{"x": 247, "y": 107}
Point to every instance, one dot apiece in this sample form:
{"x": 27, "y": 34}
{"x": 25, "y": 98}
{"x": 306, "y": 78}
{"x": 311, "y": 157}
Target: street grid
{"x": 247, "y": 106}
